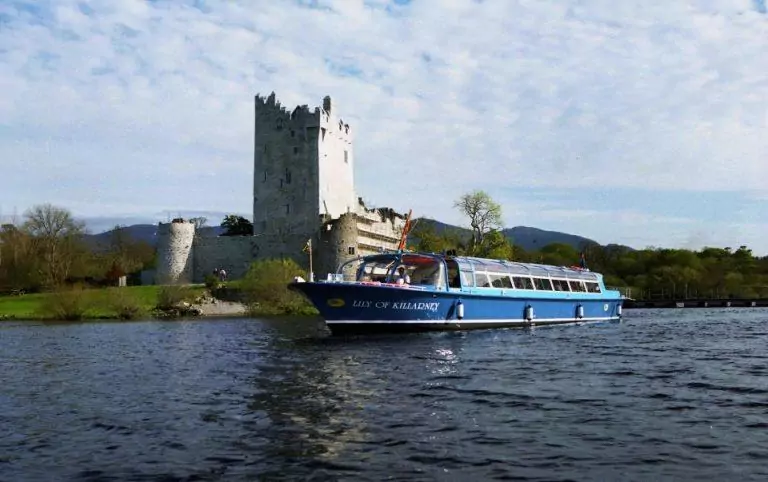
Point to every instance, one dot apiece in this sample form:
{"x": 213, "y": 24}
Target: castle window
{"x": 295, "y": 150}
{"x": 351, "y": 250}
{"x": 322, "y": 133}
{"x": 265, "y": 175}
{"x": 287, "y": 176}
{"x": 293, "y": 133}
{"x": 279, "y": 124}
{"x": 281, "y": 183}
{"x": 287, "y": 209}
{"x": 346, "y": 156}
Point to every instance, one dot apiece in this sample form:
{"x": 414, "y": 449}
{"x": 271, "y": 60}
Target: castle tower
{"x": 174, "y": 252}
{"x": 303, "y": 180}
{"x": 303, "y": 167}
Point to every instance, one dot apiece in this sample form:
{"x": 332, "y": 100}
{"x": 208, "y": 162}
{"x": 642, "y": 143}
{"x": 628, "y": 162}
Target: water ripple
{"x": 670, "y": 394}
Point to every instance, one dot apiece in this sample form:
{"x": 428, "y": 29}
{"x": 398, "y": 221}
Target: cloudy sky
{"x": 637, "y": 122}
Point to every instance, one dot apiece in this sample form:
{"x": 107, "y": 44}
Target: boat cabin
{"x": 431, "y": 271}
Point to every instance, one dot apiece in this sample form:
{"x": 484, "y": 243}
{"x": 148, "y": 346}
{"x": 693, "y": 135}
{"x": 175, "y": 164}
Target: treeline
{"x": 652, "y": 273}
{"x": 47, "y": 249}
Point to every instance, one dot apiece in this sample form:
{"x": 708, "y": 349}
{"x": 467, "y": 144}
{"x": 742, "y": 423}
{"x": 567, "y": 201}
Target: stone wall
{"x": 285, "y": 181}
{"x": 232, "y": 253}
{"x": 175, "y": 252}
{"x": 335, "y": 163}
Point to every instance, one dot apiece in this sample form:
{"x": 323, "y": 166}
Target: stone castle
{"x": 303, "y": 188}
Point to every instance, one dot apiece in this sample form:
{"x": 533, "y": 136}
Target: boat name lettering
{"x": 398, "y": 305}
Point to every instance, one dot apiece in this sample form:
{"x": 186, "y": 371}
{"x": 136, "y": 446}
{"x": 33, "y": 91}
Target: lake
{"x": 662, "y": 395}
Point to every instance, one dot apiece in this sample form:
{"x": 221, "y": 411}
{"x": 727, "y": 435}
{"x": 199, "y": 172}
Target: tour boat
{"x": 446, "y": 292}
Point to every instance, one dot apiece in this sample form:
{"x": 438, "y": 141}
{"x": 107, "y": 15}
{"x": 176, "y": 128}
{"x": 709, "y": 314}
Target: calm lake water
{"x": 663, "y": 395}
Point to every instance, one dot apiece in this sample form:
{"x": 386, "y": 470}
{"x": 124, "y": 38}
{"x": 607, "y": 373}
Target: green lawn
{"x": 98, "y": 303}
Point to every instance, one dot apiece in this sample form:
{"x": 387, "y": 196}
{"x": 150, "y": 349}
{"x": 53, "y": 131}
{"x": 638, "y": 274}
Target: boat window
{"x": 560, "y": 285}
{"x": 375, "y": 269}
{"x": 592, "y": 287}
{"x": 576, "y": 285}
{"x": 481, "y": 280}
{"x": 467, "y": 280}
{"x": 523, "y": 283}
{"x": 424, "y": 270}
{"x": 542, "y": 284}
{"x": 499, "y": 280}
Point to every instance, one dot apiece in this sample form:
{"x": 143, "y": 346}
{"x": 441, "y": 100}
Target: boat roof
{"x": 471, "y": 263}
{"x": 525, "y": 269}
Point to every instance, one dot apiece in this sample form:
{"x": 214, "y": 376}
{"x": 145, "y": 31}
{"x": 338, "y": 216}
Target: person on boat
{"x": 401, "y": 277}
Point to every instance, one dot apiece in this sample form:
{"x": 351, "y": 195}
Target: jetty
{"x": 698, "y": 303}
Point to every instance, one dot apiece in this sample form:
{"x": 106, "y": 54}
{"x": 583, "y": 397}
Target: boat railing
{"x": 626, "y": 291}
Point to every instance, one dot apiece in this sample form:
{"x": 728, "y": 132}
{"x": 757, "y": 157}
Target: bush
{"x": 123, "y": 304}
{"x": 212, "y": 282}
{"x": 170, "y": 296}
{"x": 265, "y": 288}
{"x": 69, "y": 304}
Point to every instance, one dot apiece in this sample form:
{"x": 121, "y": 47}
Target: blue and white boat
{"x": 442, "y": 292}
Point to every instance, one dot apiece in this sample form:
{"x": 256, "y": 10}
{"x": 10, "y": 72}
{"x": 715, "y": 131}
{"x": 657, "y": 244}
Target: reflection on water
{"x": 665, "y": 394}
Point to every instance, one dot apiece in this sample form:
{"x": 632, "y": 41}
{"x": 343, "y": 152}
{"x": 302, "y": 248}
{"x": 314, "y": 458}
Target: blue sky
{"x": 642, "y": 123}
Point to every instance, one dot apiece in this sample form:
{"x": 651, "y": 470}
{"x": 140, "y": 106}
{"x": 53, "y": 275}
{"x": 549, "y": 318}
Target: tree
{"x": 17, "y": 261}
{"x": 125, "y": 254}
{"x": 199, "y": 221}
{"x": 57, "y": 240}
{"x": 425, "y": 238}
{"x": 236, "y": 226}
{"x": 484, "y": 215}
{"x": 495, "y": 246}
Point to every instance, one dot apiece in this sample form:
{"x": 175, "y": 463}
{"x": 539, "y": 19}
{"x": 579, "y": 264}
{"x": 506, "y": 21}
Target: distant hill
{"x": 524, "y": 236}
{"x": 531, "y": 239}
{"x": 139, "y": 232}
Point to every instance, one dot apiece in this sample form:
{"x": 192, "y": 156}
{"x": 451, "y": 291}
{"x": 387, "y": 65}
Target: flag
{"x": 307, "y": 246}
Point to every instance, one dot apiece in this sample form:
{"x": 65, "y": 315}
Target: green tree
{"x": 484, "y": 215}
{"x": 495, "y": 246}
{"x": 425, "y": 238}
{"x": 236, "y": 226}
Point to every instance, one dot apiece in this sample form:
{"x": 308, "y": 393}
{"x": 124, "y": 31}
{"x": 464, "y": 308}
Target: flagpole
{"x": 311, "y": 273}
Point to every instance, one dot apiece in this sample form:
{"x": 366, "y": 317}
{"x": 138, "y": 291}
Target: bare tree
{"x": 483, "y": 212}
{"x": 199, "y": 221}
{"x": 55, "y": 234}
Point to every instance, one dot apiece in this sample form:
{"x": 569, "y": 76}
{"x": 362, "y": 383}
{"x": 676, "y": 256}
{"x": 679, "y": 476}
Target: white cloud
{"x": 115, "y": 103}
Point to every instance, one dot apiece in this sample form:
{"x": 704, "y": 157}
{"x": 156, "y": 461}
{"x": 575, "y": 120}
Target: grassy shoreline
{"x": 93, "y": 303}
{"x": 135, "y": 302}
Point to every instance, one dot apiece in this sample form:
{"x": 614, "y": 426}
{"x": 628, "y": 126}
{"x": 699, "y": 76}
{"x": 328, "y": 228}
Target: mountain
{"x": 526, "y": 237}
{"x": 531, "y": 239}
{"x": 138, "y": 232}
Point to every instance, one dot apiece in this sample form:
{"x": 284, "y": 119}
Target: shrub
{"x": 212, "y": 282}
{"x": 170, "y": 296}
{"x": 265, "y": 288}
{"x": 66, "y": 304}
{"x": 123, "y": 304}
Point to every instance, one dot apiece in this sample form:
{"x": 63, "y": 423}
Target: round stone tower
{"x": 174, "y": 252}
{"x": 338, "y": 239}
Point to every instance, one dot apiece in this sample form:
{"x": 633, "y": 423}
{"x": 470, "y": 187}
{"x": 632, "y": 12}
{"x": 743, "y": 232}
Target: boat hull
{"x": 356, "y": 308}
